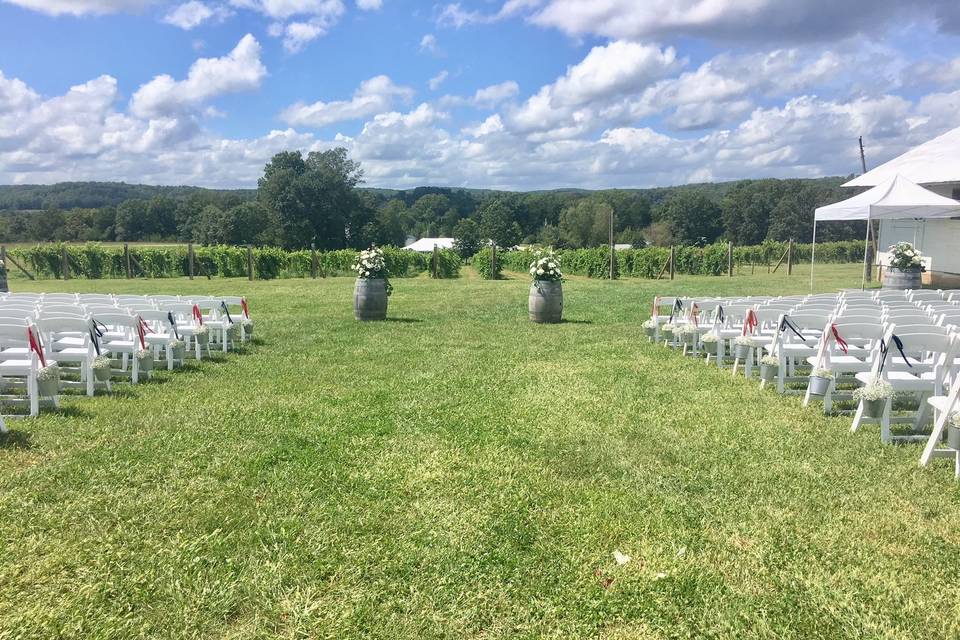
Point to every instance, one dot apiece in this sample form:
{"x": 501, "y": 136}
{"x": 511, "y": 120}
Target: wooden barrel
{"x": 546, "y": 301}
{"x": 370, "y": 299}
{"x": 900, "y": 279}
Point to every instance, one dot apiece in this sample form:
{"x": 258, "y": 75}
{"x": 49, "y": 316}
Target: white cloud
{"x": 83, "y": 7}
{"x": 485, "y": 98}
{"x": 313, "y": 19}
{"x": 454, "y": 15}
{"x": 369, "y": 5}
{"x": 428, "y": 44}
{"x": 374, "y": 96}
{"x": 240, "y": 70}
{"x": 772, "y": 20}
{"x": 190, "y": 15}
{"x": 438, "y": 80}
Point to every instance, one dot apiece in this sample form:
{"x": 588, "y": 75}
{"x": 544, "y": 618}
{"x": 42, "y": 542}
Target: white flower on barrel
{"x": 904, "y": 256}
{"x": 546, "y": 267}
{"x": 370, "y": 264}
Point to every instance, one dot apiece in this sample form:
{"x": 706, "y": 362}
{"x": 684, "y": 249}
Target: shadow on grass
{"x": 15, "y": 440}
{"x": 403, "y": 320}
{"x": 565, "y": 321}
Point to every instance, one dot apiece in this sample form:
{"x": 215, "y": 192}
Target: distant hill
{"x": 92, "y": 195}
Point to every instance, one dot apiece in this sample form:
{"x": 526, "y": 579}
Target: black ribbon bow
{"x": 173, "y": 324}
{"x": 223, "y": 305}
{"x": 95, "y": 335}
{"x": 677, "y": 308}
{"x": 787, "y": 324}
{"x": 720, "y": 315}
{"x": 883, "y": 353}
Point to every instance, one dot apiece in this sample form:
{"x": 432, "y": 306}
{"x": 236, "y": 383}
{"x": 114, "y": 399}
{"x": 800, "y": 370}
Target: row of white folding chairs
{"x": 928, "y": 367}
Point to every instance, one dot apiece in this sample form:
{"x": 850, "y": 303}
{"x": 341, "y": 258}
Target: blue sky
{"x": 522, "y": 94}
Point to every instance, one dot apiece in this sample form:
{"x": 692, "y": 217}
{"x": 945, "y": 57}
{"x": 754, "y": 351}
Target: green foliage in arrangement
{"x": 710, "y": 260}
{"x": 94, "y": 261}
{"x": 483, "y": 263}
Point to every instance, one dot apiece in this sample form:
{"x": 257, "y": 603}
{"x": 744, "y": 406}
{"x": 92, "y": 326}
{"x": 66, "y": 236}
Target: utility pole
{"x": 871, "y": 247}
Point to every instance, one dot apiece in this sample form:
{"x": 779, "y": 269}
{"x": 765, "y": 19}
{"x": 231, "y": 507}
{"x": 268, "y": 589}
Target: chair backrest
{"x": 51, "y": 327}
{"x": 15, "y": 336}
{"x": 917, "y": 295}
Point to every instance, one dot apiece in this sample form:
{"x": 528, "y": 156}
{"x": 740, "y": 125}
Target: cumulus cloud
{"x": 298, "y": 22}
{"x": 373, "y": 96}
{"x": 428, "y": 44}
{"x": 240, "y": 70}
{"x": 486, "y": 97}
{"x": 369, "y": 5}
{"x": 772, "y": 20}
{"x": 191, "y": 15}
{"x": 83, "y": 7}
{"x": 438, "y": 80}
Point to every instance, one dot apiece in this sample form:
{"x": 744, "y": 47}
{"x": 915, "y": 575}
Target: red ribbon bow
{"x": 750, "y": 324}
{"x": 245, "y": 307}
{"x": 35, "y": 346}
{"x": 198, "y": 315}
{"x": 840, "y": 341}
{"x": 142, "y": 329}
{"x": 695, "y": 314}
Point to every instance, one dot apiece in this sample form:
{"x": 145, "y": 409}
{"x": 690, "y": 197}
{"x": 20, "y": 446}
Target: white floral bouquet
{"x": 770, "y": 360}
{"x": 650, "y": 324}
{"x": 233, "y": 331}
{"x": 370, "y": 264}
{"x": 904, "y": 256}
{"x": 876, "y": 389}
{"x": 710, "y": 338}
{"x": 102, "y": 362}
{"x": 201, "y": 331}
{"x": 49, "y": 372}
{"x": 685, "y": 330}
{"x": 820, "y": 372}
{"x": 546, "y": 266}
{"x": 745, "y": 341}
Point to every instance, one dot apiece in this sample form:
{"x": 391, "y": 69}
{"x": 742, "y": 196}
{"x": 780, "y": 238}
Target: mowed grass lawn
{"x": 459, "y": 472}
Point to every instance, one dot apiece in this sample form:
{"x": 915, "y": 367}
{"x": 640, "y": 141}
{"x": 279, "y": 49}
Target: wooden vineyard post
{"x": 730, "y": 259}
{"x": 493, "y": 261}
{"x": 790, "y": 257}
{"x": 249, "y": 262}
{"x": 65, "y": 262}
{"x": 673, "y": 256}
{"x": 190, "y": 259}
{"x": 313, "y": 260}
{"x": 436, "y": 262}
{"x": 126, "y": 260}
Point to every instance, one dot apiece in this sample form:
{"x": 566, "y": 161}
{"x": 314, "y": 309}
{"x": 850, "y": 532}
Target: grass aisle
{"x": 458, "y": 472}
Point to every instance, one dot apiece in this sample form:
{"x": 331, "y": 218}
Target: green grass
{"x": 459, "y": 472}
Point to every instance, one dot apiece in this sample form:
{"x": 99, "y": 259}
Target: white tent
{"x": 933, "y": 162}
{"x": 426, "y": 245}
{"x": 894, "y": 198}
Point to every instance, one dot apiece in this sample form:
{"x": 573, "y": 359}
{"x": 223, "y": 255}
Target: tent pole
{"x": 866, "y": 255}
{"x": 813, "y": 251}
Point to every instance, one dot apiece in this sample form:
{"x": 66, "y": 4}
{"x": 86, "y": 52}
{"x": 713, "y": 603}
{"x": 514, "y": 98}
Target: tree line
{"x": 318, "y": 199}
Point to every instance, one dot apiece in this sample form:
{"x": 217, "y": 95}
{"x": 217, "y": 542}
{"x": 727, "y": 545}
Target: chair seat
{"x": 157, "y": 338}
{"x": 18, "y": 367}
{"x": 938, "y": 402}
{"x": 122, "y": 346}
{"x": 903, "y": 381}
{"x": 73, "y": 354}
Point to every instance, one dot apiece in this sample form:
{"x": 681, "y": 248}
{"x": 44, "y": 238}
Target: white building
{"x": 936, "y": 166}
{"x": 426, "y": 245}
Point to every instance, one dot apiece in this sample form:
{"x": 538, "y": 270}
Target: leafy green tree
{"x": 694, "y": 219}
{"x": 497, "y": 223}
{"x": 467, "y": 238}
{"x": 586, "y": 223}
{"x": 387, "y": 227}
{"x": 314, "y": 199}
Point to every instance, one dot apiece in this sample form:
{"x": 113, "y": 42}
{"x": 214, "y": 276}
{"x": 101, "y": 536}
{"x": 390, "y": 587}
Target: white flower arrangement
{"x": 650, "y": 324}
{"x": 745, "y": 341}
{"x": 175, "y": 344}
{"x": 710, "y": 338}
{"x": 49, "y": 372}
{"x": 686, "y": 330}
{"x": 820, "y": 372}
{"x": 233, "y": 330}
{"x": 102, "y": 362}
{"x": 904, "y": 256}
{"x": 371, "y": 264}
{"x": 667, "y": 327}
{"x": 546, "y": 267}
{"x": 202, "y": 330}
{"x": 876, "y": 389}
{"x": 144, "y": 354}
{"x": 770, "y": 360}
{"x": 955, "y": 419}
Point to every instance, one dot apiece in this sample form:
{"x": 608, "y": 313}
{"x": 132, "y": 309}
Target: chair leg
{"x": 857, "y": 418}
{"x": 34, "y": 397}
{"x": 885, "y": 436}
{"x": 828, "y": 396}
{"x": 88, "y": 376}
{"x": 169, "y": 358}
